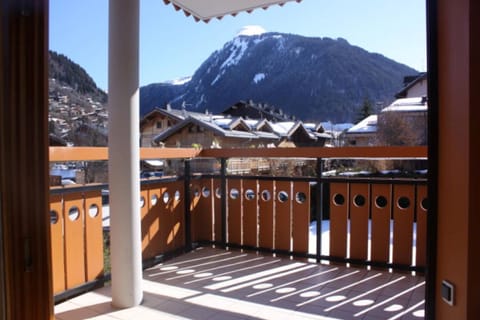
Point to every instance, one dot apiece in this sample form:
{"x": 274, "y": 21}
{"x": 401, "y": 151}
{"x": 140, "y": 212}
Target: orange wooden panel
{"x": 381, "y": 211}
{"x": 283, "y": 233}
{"x": 204, "y": 222}
{"x": 422, "y": 211}
{"x": 250, "y": 213}
{"x": 57, "y": 242}
{"x": 234, "y": 212}
{"x": 146, "y": 217}
{"x": 74, "y": 240}
{"x": 156, "y": 245}
{"x": 93, "y": 235}
{"x": 301, "y": 216}
{"x": 359, "y": 209}
{"x": 338, "y": 219}
{"x": 403, "y": 195}
{"x": 217, "y": 208}
{"x": 195, "y": 210}
{"x": 176, "y": 233}
{"x": 265, "y": 214}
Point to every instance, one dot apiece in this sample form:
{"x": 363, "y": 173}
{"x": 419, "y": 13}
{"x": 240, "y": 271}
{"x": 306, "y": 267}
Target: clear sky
{"x": 173, "y": 46}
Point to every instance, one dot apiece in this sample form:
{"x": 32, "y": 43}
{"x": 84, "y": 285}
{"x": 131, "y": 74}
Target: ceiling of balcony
{"x": 205, "y": 10}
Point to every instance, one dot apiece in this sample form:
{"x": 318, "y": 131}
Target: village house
{"x": 244, "y": 124}
{"x": 159, "y": 120}
{"x": 409, "y": 110}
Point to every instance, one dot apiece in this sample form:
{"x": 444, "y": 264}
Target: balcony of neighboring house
{"x": 289, "y": 242}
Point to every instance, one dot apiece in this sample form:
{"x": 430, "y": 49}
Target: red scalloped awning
{"x": 205, "y": 10}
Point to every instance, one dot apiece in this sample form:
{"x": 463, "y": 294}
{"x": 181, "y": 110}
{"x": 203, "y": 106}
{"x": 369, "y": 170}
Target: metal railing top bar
{"x": 63, "y": 154}
{"x": 416, "y": 152}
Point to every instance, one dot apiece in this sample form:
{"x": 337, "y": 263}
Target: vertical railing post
{"x": 223, "y": 198}
{"x": 319, "y": 208}
{"x": 188, "y": 201}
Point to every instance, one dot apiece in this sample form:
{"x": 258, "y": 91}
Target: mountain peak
{"x": 251, "y": 30}
{"x": 312, "y": 78}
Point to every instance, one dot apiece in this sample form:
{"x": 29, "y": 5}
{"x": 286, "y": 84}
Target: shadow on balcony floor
{"x": 217, "y": 284}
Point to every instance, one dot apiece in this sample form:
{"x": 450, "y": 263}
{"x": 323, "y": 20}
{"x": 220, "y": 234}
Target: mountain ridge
{"x": 312, "y": 78}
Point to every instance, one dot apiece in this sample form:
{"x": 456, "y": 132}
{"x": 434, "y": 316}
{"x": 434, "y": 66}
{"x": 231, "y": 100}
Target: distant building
{"x": 410, "y": 109}
{"x": 251, "y": 110}
{"x": 160, "y": 119}
{"x": 414, "y": 86}
{"x": 363, "y": 133}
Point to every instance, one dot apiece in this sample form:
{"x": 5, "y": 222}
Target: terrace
{"x": 454, "y": 141}
{"x": 251, "y": 246}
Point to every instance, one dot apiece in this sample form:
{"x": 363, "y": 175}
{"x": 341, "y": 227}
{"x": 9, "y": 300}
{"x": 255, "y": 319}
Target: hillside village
{"x": 75, "y": 119}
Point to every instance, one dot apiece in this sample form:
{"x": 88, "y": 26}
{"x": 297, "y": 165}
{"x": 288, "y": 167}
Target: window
{"x": 159, "y": 124}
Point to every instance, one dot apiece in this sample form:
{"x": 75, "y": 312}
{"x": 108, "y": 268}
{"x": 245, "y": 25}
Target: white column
{"x": 123, "y": 148}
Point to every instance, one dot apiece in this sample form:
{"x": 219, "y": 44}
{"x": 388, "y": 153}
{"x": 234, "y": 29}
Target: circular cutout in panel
{"x": 249, "y": 194}
{"x": 266, "y": 196}
{"x": 381, "y": 202}
{"x": 142, "y": 201}
{"x": 53, "y": 216}
{"x": 73, "y": 213}
{"x": 338, "y": 199}
{"x": 196, "y": 192}
{"x": 359, "y": 200}
{"x": 177, "y": 195}
{"x": 166, "y": 197}
{"x": 300, "y": 197}
{"x": 206, "y": 192}
{"x": 218, "y": 193}
{"x": 282, "y": 196}
{"x": 424, "y": 204}
{"x": 234, "y": 193}
{"x": 154, "y": 199}
{"x": 403, "y": 203}
{"x": 93, "y": 211}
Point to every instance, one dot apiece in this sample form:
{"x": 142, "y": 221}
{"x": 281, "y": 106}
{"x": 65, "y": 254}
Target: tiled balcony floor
{"x": 216, "y": 284}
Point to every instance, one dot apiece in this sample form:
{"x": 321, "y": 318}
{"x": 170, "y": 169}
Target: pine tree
{"x": 365, "y": 110}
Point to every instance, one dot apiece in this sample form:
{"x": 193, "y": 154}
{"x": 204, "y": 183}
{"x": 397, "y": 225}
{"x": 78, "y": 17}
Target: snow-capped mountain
{"x": 311, "y": 78}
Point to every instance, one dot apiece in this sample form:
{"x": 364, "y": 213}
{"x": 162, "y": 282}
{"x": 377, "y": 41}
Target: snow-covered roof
{"x": 367, "y": 125}
{"x": 223, "y": 122}
{"x": 282, "y": 128}
{"x": 408, "y": 105}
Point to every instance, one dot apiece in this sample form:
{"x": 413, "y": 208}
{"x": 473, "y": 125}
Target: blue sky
{"x": 173, "y": 46}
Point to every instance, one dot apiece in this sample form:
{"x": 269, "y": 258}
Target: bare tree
{"x": 395, "y": 129}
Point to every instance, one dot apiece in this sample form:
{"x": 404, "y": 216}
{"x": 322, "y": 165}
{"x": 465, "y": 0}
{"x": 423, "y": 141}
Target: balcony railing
{"x": 363, "y": 221}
